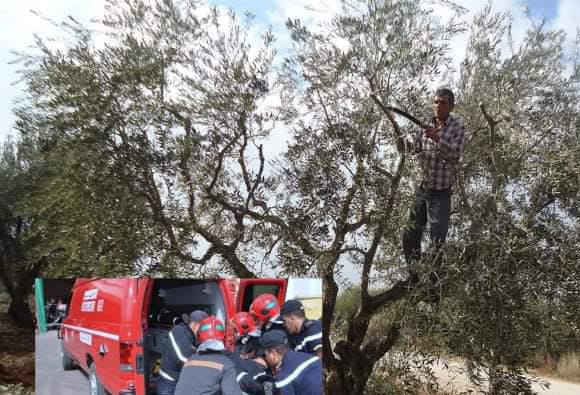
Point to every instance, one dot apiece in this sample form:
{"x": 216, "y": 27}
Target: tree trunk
{"x": 19, "y": 310}
{"x": 336, "y": 380}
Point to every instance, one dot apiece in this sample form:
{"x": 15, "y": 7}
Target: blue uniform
{"x": 249, "y": 373}
{"x": 208, "y": 373}
{"x": 178, "y": 347}
{"x": 300, "y": 374}
{"x": 309, "y": 340}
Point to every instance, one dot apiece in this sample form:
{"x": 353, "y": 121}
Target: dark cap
{"x": 250, "y": 344}
{"x": 197, "y": 316}
{"x": 273, "y": 338}
{"x": 290, "y": 306}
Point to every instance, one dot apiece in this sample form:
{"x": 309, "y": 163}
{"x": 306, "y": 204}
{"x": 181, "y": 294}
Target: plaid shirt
{"x": 439, "y": 160}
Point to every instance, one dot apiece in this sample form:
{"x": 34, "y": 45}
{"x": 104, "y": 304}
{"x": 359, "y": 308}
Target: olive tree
{"x": 153, "y": 118}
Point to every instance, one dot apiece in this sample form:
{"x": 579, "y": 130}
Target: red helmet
{"x": 244, "y": 323}
{"x": 265, "y": 307}
{"x": 211, "y": 328}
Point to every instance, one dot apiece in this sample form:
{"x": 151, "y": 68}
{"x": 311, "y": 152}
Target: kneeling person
{"x": 209, "y": 371}
{"x": 296, "y": 373}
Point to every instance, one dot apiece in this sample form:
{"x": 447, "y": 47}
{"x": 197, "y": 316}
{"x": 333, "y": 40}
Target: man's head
{"x": 293, "y": 315}
{"x": 275, "y": 345}
{"x": 265, "y": 308}
{"x": 195, "y": 317}
{"x": 443, "y": 103}
{"x": 243, "y": 324}
{"x": 211, "y": 328}
{"x": 250, "y": 348}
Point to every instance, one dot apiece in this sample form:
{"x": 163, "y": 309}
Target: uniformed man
{"x": 295, "y": 373}
{"x": 179, "y": 345}
{"x": 266, "y": 310}
{"x": 303, "y": 334}
{"x": 209, "y": 371}
{"x": 244, "y": 329}
{"x": 251, "y": 369}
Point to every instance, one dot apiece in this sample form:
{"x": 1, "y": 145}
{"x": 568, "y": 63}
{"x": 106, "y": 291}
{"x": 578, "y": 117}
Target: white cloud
{"x": 315, "y": 15}
{"x": 568, "y": 19}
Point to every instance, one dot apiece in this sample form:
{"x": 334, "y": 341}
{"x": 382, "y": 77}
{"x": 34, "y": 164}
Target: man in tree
{"x": 439, "y": 150}
{"x": 305, "y": 335}
{"x": 180, "y": 344}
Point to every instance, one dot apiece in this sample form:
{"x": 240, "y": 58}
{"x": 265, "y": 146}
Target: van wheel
{"x": 67, "y": 362}
{"x": 95, "y": 386}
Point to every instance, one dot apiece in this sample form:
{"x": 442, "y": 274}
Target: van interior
{"x": 172, "y": 301}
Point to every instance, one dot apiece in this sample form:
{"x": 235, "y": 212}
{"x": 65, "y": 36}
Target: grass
{"x": 15, "y": 389}
{"x": 568, "y": 367}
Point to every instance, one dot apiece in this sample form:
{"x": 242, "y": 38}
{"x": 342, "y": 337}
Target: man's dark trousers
{"x": 433, "y": 207}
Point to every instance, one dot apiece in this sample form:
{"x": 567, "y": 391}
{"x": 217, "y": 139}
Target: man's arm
{"x": 248, "y": 385}
{"x": 179, "y": 347}
{"x": 312, "y": 343}
{"x": 413, "y": 145}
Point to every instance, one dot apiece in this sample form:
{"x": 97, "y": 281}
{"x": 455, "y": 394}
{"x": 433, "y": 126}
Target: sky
{"x": 18, "y": 24}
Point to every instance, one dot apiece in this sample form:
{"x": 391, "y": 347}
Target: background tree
{"x": 153, "y": 132}
{"x": 517, "y": 230}
{"x": 351, "y": 187}
{"x": 349, "y": 184}
{"x": 24, "y": 253}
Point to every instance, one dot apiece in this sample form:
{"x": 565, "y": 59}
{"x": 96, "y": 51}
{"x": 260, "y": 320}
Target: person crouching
{"x": 209, "y": 371}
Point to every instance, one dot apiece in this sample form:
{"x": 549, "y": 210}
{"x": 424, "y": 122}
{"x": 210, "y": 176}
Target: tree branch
{"x": 377, "y": 350}
{"x": 386, "y": 109}
{"x": 220, "y": 161}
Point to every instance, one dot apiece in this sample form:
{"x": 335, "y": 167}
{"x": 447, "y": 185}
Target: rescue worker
{"x": 303, "y": 334}
{"x": 295, "y": 373}
{"x": 244, "y": 329}
{"x": 209, "y": 371}
{"x": 179, "y": 345}
{"x": 266, "y": 310}
{"x": 252, "y": 375}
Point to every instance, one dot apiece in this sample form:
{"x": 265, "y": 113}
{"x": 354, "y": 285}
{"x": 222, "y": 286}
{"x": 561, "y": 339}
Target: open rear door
{"x": 250, "y": 288}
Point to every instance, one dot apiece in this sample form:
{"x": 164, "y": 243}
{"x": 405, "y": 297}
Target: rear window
{"x": 172, "y": 299}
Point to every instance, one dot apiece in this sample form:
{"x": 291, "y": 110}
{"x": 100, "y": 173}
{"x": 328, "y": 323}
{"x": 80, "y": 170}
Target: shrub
{"x": 568, "y": 366}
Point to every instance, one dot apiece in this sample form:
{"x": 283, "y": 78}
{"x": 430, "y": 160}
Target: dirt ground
{"x": 16, "y": 353}
{"x": 455, "y": 381}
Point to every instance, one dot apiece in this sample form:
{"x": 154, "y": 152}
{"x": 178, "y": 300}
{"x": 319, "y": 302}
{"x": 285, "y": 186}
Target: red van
{"x": 114, "y": 328}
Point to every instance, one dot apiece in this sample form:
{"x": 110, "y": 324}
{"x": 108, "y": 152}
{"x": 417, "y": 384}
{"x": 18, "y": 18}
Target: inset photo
{"x": 145, "y": 336}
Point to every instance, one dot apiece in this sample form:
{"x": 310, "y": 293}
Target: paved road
{"x": 50, "y": 378}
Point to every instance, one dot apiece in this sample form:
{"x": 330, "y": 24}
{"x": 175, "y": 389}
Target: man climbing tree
{"x": 439, "y": 150}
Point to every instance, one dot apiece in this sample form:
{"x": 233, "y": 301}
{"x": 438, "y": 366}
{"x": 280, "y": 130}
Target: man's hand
{"x": 432, "y": 134}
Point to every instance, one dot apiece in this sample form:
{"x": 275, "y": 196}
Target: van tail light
{"x": 126, "y": 357}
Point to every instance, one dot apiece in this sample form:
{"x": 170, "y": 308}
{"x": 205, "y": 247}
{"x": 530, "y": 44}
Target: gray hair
{"x": 446, "y": 92}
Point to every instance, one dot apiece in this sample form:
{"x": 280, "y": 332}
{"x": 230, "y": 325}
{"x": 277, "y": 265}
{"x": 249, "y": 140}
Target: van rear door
{"x": 250, "y": 288}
